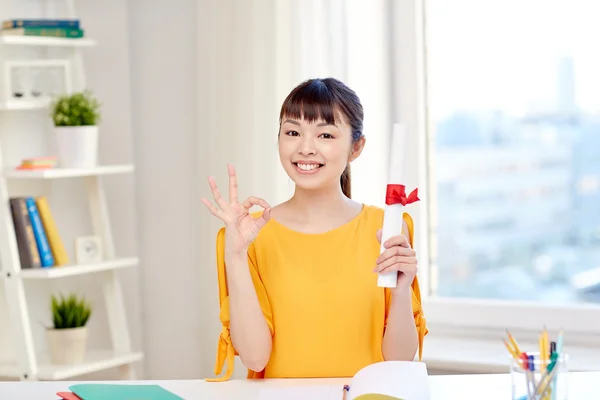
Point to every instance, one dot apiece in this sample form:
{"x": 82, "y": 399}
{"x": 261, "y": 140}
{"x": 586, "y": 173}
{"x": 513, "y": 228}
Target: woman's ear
{"x": 357, "y": 148}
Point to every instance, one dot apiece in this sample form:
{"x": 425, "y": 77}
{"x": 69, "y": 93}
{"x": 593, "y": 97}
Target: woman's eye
{"x": 292, "y": 133}
{"x": 327, "y": 136}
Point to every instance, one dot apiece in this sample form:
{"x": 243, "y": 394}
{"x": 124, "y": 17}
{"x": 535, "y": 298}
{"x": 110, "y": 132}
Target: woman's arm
{"x": 250, "y": 333}
{"x": 400, "y": 340}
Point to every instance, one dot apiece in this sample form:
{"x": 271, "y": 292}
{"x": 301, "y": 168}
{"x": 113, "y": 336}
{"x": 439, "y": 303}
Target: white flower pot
{"x": 67, "y": 346}
{"x": 77, "y": 146}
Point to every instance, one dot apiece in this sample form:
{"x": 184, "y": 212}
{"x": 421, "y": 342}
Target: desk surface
{"x": 582, "y": 385}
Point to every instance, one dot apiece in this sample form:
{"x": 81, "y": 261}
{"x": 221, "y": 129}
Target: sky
{"x": 504, "y": 54}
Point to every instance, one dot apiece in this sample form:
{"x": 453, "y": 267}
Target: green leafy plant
{"x": 76, "y": 109}
{"x": 70, "y": 312}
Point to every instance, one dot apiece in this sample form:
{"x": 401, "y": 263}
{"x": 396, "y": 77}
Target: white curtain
{"x": 259, "y": 50}
{"x": 251, "y": 54}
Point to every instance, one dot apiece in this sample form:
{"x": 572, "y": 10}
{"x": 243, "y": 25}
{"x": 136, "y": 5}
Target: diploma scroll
{"x": 396, "y": 198}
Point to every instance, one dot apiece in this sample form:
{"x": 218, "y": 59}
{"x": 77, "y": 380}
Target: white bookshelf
{"x": 29, "y": 363}
{"x": 72, "y": 270}
{"x": 25, "y": 105}
{"x": 96, "y": 360}
{"x": 58, "y": 173}
{"x": 45, "y": 41}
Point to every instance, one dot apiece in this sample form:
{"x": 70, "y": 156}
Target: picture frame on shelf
{"x": 36, "y": 81}
{"x": 88, "y": 249}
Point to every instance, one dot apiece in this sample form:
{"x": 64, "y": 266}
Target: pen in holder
{"x": 539, "y": 378}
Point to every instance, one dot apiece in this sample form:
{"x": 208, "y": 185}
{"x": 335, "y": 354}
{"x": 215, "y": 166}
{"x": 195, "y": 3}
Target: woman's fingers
{"x": 233, "y": 184}
{"x": 395, "y": 251}
{"x": 399, "y": 240}
{"x": 408, "y": 265}
{"x": 265, "y": 215}
{"x": 226, "y": 209}
{"x": 255, "y": 201}
{"x": 213, "y": 210}
{"x": 216, "y": 194}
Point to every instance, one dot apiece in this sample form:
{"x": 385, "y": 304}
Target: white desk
{"x": 582, "y": 385}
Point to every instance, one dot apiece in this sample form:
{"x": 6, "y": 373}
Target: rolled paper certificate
{"x": 395, "y": 198}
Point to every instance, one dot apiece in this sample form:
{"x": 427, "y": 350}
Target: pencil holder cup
{"x": 536, "y": 379}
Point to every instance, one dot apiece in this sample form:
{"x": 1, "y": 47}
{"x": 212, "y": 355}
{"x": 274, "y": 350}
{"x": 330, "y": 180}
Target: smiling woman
{"x": 321, "y": 242}
{"x": 317, "y": 112}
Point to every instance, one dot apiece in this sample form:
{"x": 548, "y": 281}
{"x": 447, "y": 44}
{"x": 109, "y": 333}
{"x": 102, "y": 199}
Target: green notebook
{"x": 102, "y": 391}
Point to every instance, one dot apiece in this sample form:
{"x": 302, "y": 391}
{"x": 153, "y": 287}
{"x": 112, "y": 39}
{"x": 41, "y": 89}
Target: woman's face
{"x": 314, "y": 155}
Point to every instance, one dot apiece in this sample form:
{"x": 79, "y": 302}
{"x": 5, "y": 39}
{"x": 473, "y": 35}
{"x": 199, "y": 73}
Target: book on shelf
{"x": 37, "y": 163}
{"x": 41, "y": 22}
{"x": 38, "y": 240}
{"x": 63, "y": 28}
{"x": 26, "y": 242}
{"x": 46, "y": 32}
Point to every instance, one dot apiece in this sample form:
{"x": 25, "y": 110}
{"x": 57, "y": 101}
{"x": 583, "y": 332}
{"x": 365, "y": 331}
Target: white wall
{"x": 108, "y": 74}
{"x": 163, "y": 74}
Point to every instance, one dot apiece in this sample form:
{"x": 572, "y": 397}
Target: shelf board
{"x": 95, "y": 361}
{"x": 72, "y": 270}
{"x": 25, "y": 104}
{"x": 45, "y": 41}
{"x": 56, "y": 173}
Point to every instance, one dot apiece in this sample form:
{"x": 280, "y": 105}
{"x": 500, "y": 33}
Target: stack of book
{"x": 63, "y": 28}
{"x": 37, "y": 163}
{"x": 38, "y": 240}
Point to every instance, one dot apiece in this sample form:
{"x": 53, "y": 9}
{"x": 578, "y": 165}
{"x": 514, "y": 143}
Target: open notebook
{"x": 388, "y": 380}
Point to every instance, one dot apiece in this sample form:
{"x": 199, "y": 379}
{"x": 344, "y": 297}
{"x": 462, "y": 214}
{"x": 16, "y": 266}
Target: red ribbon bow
{"x": 396, "y": 194}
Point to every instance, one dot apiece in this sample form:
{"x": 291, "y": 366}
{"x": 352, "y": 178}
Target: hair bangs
{"x": 312, "y": 102}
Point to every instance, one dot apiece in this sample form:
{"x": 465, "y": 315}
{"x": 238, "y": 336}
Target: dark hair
{"x": 324, "y": 99}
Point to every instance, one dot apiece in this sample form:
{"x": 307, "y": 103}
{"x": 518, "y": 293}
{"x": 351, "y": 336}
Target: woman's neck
{"x": 321, "y": 201}
{"x": 317, "y": 210}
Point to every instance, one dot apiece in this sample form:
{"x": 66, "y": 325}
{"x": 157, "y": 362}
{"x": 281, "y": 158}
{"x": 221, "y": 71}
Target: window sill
{"x": 473, "y": 355}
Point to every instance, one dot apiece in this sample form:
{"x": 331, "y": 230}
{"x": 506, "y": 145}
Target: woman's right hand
{"x": 241, "y": 228}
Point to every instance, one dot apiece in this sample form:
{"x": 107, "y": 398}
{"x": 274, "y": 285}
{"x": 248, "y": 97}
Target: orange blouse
{"x": 320, "y": 298}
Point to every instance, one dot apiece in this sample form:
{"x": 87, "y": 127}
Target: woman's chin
{"x": 313, "y": 183}
{"x": 312, "y": 180}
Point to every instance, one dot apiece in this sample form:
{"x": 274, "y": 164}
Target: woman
{"x": 299, "y": 296}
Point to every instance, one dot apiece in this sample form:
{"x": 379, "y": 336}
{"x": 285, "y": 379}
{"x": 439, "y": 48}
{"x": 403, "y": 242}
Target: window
{"x": 512, "y": 97}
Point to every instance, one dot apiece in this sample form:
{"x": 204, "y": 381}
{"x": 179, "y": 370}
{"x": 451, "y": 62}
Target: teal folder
{"x": 103, "y": 391}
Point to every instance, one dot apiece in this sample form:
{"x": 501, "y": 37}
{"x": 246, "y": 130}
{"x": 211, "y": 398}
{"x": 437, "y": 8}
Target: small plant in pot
{"x": 67, "y": 338}
{"x": 76, "y": 117}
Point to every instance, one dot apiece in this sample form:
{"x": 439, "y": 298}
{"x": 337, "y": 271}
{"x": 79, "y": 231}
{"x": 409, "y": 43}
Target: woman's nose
{"x": 307, "y": 146}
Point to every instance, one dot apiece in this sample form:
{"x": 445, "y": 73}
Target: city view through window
{"x": 514, "y": 103}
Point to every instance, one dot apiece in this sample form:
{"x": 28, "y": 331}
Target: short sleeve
{"x": 419, "y": 317}
{"x": 225, "y": 350}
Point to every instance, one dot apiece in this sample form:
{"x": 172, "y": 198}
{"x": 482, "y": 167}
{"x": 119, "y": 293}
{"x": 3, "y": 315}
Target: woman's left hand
{"x": 397, "y": 256}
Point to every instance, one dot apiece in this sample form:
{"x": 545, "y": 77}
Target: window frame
{"x": 477, "y": 316}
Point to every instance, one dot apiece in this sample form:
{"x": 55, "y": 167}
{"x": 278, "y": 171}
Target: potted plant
{"x": 76, "y": 118}
{"x": 67, "y": 338}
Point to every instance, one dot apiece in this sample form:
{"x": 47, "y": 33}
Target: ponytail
{"x": 345, "y": 182}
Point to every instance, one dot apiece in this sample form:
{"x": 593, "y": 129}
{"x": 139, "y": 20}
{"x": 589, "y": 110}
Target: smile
{"x": 310, "y": 168}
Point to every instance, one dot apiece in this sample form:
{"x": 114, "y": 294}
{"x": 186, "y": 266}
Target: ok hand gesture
{"x": 240, "y": 227}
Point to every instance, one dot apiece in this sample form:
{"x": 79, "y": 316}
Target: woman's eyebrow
{"x": 291, "y": 121}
